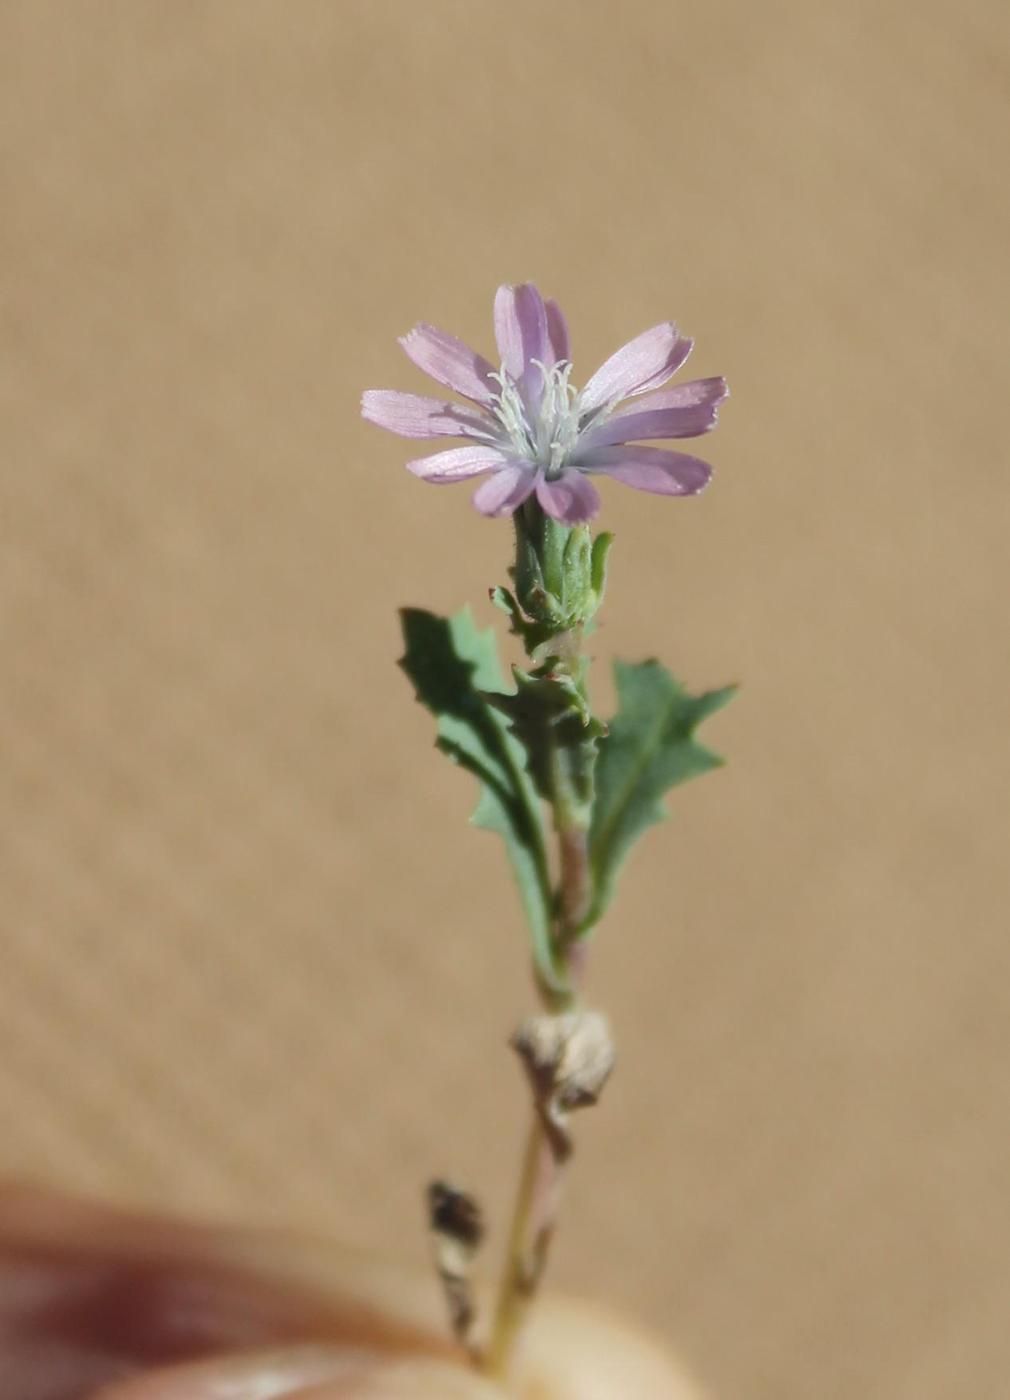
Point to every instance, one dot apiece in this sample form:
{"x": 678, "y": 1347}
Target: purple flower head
{"x": 528, "y": 429}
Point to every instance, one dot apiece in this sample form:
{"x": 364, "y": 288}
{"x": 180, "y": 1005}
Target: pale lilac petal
{"x": 520, "y": 328}
{"x": 414, "y": 416}
{"x": 644, "y": 363}
{"x": 685, "y": 411}
{"x": 506, "y": 490}
{"x": 571, "y": 498}
{"x": 457, "y": 464}
{"x": 557, "y": 332}
{"x": 451, "y": 362}
{"x": 650, "y": 469}
{"x": 694, "y": 391}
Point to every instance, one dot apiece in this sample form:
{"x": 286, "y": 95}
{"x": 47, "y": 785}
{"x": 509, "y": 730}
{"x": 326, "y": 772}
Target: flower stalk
{"x": 559, "y": 587}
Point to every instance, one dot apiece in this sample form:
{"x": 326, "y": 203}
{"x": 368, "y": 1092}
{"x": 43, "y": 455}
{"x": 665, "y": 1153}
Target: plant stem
{"x": 538, "y": 1199}
{"x": 576, "y": 893}
{"x": 553, "y": 574}
{"x": 533, "y": 1221}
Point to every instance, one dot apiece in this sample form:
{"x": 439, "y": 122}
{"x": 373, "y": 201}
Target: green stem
{"x": 541, "y": 1182}
{"x": 576, "y": 885}
{"x": 526, "y": 1254}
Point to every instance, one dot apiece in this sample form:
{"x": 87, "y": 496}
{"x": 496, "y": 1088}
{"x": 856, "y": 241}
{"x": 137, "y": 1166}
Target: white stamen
{"x": 549, "y": 437}
{"x": 510, "y": 411}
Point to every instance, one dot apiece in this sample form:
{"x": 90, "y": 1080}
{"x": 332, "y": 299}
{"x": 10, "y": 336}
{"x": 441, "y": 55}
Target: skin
{"x": 98, "y": 1304}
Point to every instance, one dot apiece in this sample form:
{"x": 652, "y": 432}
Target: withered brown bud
{"x": 455, "y": 1214}
{"x": 457, "y": 1228}
{"x": 568, "y": 1058}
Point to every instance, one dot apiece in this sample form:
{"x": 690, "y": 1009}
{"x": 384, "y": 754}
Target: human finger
{"x": 90, "y": 1296}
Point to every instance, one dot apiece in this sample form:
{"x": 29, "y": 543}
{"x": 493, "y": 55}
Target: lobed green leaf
{"x": 650, "y": 748}
{"x": 453, "y": 666}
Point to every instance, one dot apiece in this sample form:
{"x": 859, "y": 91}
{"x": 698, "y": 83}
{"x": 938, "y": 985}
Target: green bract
{"x": 560, "y": 571}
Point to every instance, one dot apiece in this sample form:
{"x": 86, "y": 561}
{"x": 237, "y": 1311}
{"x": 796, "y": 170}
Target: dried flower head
{"x": 530, "y": 430}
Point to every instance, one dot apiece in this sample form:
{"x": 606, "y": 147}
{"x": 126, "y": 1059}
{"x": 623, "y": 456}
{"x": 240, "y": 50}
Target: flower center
{"x": 546, "y": 431}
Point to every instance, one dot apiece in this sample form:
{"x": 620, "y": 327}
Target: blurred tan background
{"x": 254, "y": 963}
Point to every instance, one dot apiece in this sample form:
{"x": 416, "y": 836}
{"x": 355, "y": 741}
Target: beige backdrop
{"x": 255, "y": 965}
